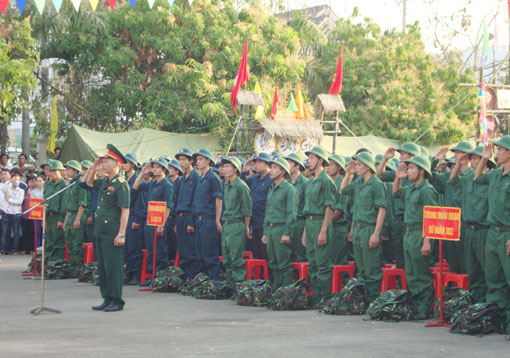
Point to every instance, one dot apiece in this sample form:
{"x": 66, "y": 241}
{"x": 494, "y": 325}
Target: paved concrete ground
{"x": 171, "y": 325}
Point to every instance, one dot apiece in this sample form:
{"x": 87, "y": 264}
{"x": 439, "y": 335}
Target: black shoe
{"x": 113, "y": 308}
{"x": 101, "y": 307}
{"x": 147, "y": 283}
{"x": 133, "y": 281}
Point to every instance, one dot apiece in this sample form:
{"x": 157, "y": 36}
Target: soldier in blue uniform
{"x": 174, "y": 173}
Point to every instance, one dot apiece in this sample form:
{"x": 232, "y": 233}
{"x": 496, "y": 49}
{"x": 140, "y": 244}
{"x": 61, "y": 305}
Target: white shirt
{"x": 16, "y": 197}
{"x": 3, "y": 203}
{"x": 36, "y": 193}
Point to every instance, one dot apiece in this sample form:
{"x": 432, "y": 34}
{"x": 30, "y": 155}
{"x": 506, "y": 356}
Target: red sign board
{"x": 441, "y": 223}
{"x": 37, "y": 213}
{"x": 156, "y": 213}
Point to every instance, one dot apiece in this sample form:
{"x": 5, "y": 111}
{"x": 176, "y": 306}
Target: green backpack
{"x": 478, "y": 319}
{"x": 87, "y": 272}
{"x": 58, "y": 270}
{"x": 291, "y": 297}
{"x": 168, "y": 280}
{"x": 390, "y": 306}
{"x": 185, "y": 288}
{"x": 39, "y": 263}
{"x": 213, "y": 290}
{"x": 351, "y": 300}
{"x": 253, "y": 293}
{"x": 455, "y": 299}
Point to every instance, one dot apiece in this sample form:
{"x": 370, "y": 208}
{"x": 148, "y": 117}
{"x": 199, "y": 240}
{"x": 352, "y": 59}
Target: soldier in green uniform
{"x": 320, "y": 201}
{"x": 417, "y": 248}
{"x": 85, "y": 165}
{"x": 236, "y": 219}
{"x": 75, "y": 201}
{"x": 55, "y": 212}
{"x": 475, "y": 206}
{"x": 407, "y": 151}
{"x": 389, "y": 219}
{"x": 368, "y": 219}
{"x": 281, "y": 212}
{"x": 299, "y": 182}
{"x": 110, "y": 226}
{"x": 497, "y": 261}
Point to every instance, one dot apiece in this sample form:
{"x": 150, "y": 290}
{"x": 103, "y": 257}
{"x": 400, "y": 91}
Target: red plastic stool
{"x": 302, "y": 269}
{"x": 88, "y": 252}
{"x": 336, "y": 279}
{"x": 389, "y": 281}
{"x": 390, "y": 265}
{"x": 248, "y": 255}
{"x": 435, "y": 276}
{"x": 256, "y": 265}
{"x": 67, "y": 254}
{"x": 460, "y": 280}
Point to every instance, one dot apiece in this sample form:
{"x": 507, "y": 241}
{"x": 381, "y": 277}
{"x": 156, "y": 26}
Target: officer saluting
{"x": 110, "y": 226}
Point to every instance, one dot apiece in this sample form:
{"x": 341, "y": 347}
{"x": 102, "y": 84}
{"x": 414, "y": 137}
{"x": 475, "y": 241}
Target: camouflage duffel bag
{"x": 39, "y": 263}
{"x": 254, "y": 293}
{"x": 185, "y": 288}
{"x": 58, "y": 270}
{"x": 168, "y": 280}
{"x": 351, "y": 300}
{"x": 455, "y": 300}
{"x": 391, "y": 306}
{"x": 291, "y": 297}
{"x": 478, "y": 319}
{"x": 213, "y": 290}
{"x": 87, "y": 272}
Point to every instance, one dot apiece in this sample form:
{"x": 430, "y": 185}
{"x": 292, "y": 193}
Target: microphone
{"x": 76, "y": 177}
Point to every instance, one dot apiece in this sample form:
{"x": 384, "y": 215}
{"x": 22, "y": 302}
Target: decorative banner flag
{"x": 21, "y": 5}
{"x": 485, "y": 46}
{"x": 509, "y": 9}
{"x": 112, "y": 3}
{"x": 53, "y": 123}
{"x": 300, "y": 104}
{"x": 260, "y": 109}
{"x": 171, "y": 2}
{"x": 3, "y": 6}
{"x": 336, "y": 85}
{"x": 76, "y": 4}
{"x": 292, "y": 104}
{"x": 39, "y": 4}
{"x": 132, "y": 3}
{"x": 151, "y": 3}
{"x": 57, "y": 4}
{"x": 242, "y": 77}
{"x": 482, "y": 118}
{"x": 93, "y": 4}
{"x": 274, "y": 109}
{"x": 495, "y": 41}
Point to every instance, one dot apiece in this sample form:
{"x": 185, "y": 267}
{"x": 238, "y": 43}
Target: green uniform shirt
{"x": 74, "y": 198}
{"x": 320, "y": 193}
{"x": 55, "y": 204}
{"x": 300, "y": 185}
{"x": 416, "y": 197}
{"x": 281, "y": 206}
{"x": 237, "y": 200}
{"x": 342, "y": 203}
{"x": 452, "y": 194}
{"x": 113, "y": 195}
{"x": 398, "y": 204}
{"x": 499, "y": 196}
{"x": 369, "y": 196}
{"x": 475, "y": 198}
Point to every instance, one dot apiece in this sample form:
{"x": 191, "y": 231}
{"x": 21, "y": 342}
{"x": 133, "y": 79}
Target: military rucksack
{"x": 213, "y": 290}
{"x": 390, "y": 306}
{"x": 478, "y": 319}
{"x": 455, "y": 299}
{"x": 185, "y": 287}
{"x": 39, "y": 263}
{"x": 87, "y": 272}
{"x": 168, "y": 280}
{"x": 351, "y": 300}
{"x": 254, "y": 293}
{"x": 58, "y": 270}
{"x": 291, "y": 297}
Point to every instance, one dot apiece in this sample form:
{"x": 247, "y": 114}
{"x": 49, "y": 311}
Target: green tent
{"x": 82, "y": 143}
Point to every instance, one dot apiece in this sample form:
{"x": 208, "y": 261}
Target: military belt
{"x": 232, "y": 221}
{"x": 274, "y": 224}
{"x": 361, "y": 225}
{"x": 205, "y": 217}
{"x": 315, "y": 217}
{"x": 412, "y": 228}
{"x": 476, "y": 227}
{"x": 500, "y": 228}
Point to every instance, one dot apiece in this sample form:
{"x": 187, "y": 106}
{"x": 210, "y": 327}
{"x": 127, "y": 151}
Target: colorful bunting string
{"x": 39, "y": 4}
{"x": 482, "y": 118}
{"x": 3, "y": 6}
{"x": 21, "y": 5}
{"x": 57, "y": 4}
{"x": 93, "y": 4}
{"x": 76, "y": 4}
{"x": 151, "y": 3}
{"x": 112, "y": 3}
{"x": 132, "y": 3}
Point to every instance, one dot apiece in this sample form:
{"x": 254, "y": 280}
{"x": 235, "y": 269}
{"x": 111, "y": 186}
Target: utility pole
{"x": 404, "y": 15}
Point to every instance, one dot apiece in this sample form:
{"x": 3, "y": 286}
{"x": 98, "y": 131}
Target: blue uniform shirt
{"x": 94, "y": 195}
{"x": 186, "y": 192}
{"x": 208, "y": 189}
{"x": 162, "y": 191}
{"x": 259, "y": 187}
{"x": 133, "y": 194}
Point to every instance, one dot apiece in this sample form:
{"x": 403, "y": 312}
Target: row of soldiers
{"x": 347, "y": 206}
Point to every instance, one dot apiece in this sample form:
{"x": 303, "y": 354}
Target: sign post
{"x": 155, "y": 217}
{"x": 36, "y": 214}
{"x": 441, "y": 223}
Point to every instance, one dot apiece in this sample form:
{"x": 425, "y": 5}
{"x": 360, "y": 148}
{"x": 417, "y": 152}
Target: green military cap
{"x": 424, "y": 152}
{"x": 265, "y": 157}
{"x": 242, "y": 160}
{"x": 347, "y": 159}
{"x": 206, "y": 153}
{"x": 113, "y": 153}
{"x": 422, "y": 162}
{"x": 409, "y": 147}
{"x": 186, "y": 152}
{"x": 284, "y": 164}
{"x": 55, "y": 165}
{"x": 296, "y": 158}
{"x": 320, "y": 152}
{"x": 164, "y": 156}
{"x": 131, "y": 157}
{"x": 464, "y": 147}
{"x": 338, "y": 159}
{"x": 175, "y": 163}
{"x": 162, "y": 162}
{"x": 46, "y": 162}
{"x": 86, "y": 164}
{"x": 367, "y": 159}
{"x": 479, "y": 152}
{"x": 234, "y": 161}
{"x": 390, "y": 164}
{"x": 73, "y": 164}
{"x": 503, "y": 142}
{"x": 276, "y": 155}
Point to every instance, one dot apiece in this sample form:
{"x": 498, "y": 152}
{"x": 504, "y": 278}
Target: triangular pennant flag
{"x": 274, "y": 109}
{"x": 151, "y": 3}
{"x": 336, "y": 85}
{"x": 57, "y": 4}
{"x": 242, "y": 77}
{"x": 39, "y": 4}
{"x": 260, "y": 109}
{"x": 485, "y": 46}
{"x": 76, "y": 4}
{"x": 132, "y": 3}
{"x": 171, "y": 3}
{"x": 300, "y": 104}
{"x": 3, "y": 6}
{"x": 21, "y": 5}
{"x": 112, "y": 3}
{"x": 93, "y": 4}
{"x": 292, "y": 104}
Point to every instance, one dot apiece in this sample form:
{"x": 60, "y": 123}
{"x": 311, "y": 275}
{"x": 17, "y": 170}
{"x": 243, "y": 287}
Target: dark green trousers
{"x": 339, "y": 250}
{"x": 319, "y": 259}
{"x": 475, "y": 243}
{"x": 74, "y": 240}
{"x": 398, "y": 232}
{"x": 418, "y": 275}
{"x": 55, "y": 242}
{"x": 455, "y": 252}
{"x": 296, "y": 240}
{"x": 110, "y": 262}
{"x": 233, "y": 243}
{"x": 278, "y": 256}
{"x": 368, "y": 261}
